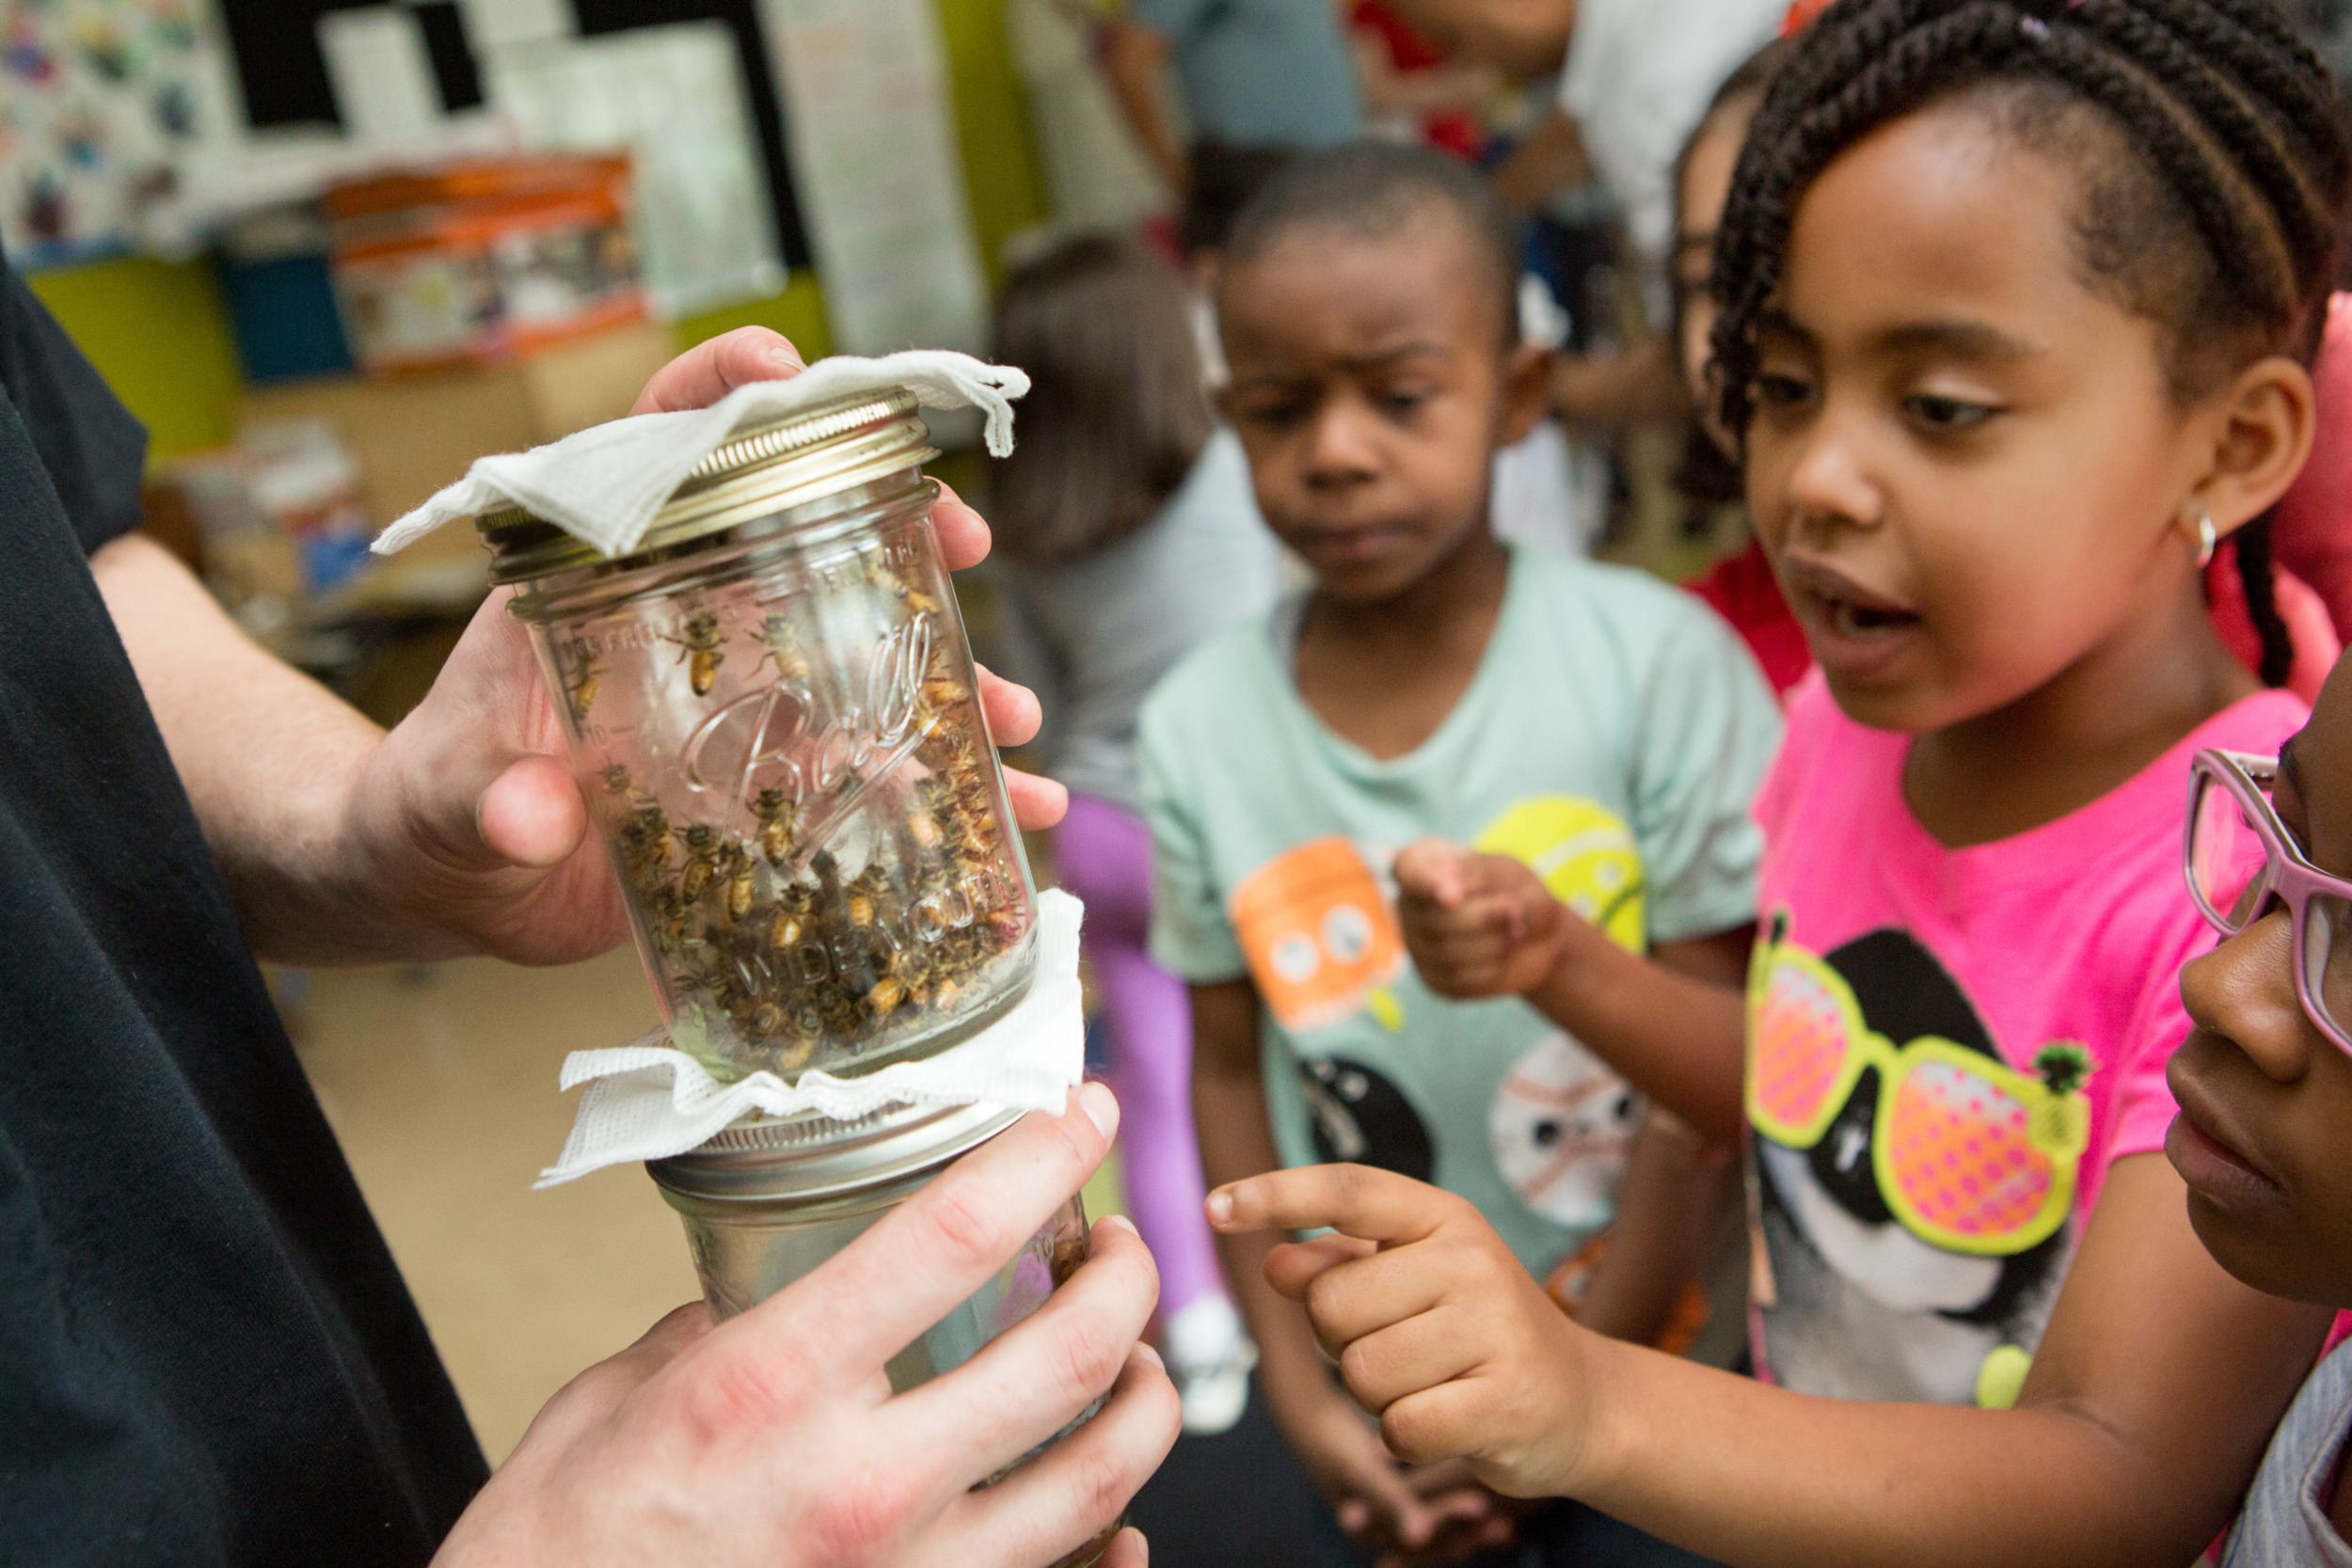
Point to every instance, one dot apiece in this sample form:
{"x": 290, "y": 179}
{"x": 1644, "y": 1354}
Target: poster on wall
{"x": 101, "y": 100}
{"x": 876, "y": 171}
{"x": 674, "y": 98}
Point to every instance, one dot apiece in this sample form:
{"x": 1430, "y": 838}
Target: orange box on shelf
{"x": 482, "y": 261}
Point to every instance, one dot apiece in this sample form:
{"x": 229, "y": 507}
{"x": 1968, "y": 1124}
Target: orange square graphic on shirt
{"x": 1318, "y": 933}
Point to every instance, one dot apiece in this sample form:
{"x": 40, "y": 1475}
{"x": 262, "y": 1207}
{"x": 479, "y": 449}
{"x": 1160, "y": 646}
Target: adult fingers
{"x": 841, "y": 1323}
{"x": 1073, "y": 1492}
{"x": 1355, "y": 1200}
{"x": 1436, "y": 869}
{"x": 1295, "y": 1265}
{"x": 1033, "y": 1381}
{"x": 1130, "y": 1550}
{"x": 712, "y": 369}
{"x": 1037, "y": 803}
{"x": 1012, "y": 711}
{"x": 962, "y": 533}
{"x": 532, "y": 814}
{"x": 1405, "y": 1357}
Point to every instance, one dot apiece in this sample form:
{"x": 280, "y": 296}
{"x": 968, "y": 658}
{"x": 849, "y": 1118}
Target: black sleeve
{"x": 94, "y": 451}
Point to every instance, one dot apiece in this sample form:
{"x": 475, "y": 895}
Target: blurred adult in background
{"x": 207, "y": 1355}
{"x": 1253, "y": 74}
{"x": 1415, "y": 90}
{"x": 1123, "y": 549}
{"x": 1635, "y": 77}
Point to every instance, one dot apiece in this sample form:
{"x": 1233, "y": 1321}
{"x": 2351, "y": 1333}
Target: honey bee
{"x": 615, "y": 777}
{"x": 783, "y": 642}
{"x": 776, "y": 815}
{"x": 923, "y": 827}
{"x": 793, "y": 905}
{"x": 702, "y": 861}
{"x": 699, "y": 650}
{"x": 581, "y": 678}
{"x": 665, "y": 913}
{"x": 736, "y": 867}
{"x": 945, "y": 691}
{"x": 648, "y": 840}
{"x": 866, "y": 892}
{"x": 887, "y": 994}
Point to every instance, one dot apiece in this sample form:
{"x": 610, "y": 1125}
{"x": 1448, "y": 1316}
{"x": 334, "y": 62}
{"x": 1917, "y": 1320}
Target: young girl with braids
{"x": 2015, "y": 307}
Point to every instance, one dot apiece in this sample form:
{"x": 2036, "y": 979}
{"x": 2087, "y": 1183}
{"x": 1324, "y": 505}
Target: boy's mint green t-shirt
{"x": 1612, "y": 738}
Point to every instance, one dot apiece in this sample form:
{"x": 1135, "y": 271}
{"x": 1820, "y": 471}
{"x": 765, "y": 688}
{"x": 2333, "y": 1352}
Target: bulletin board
{"x": 97, "y": 101}
{"x": 285, "y": 79}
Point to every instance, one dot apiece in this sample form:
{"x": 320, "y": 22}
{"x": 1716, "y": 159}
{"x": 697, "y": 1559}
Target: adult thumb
{"x": 531, "y": 814}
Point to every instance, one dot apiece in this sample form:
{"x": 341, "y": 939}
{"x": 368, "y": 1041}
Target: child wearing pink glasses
{"x": 2265, "y": 1086}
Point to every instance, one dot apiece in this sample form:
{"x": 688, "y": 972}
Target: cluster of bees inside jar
{"x": 806, "y": 963}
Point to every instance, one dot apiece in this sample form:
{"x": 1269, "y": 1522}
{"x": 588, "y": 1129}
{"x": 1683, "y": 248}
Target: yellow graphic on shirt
{"x": 1320, "y": 937}
{"x": 1585, "y": 854}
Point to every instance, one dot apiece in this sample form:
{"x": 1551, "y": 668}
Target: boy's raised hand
{"x": 1477, "y": 925}
{"x": 1437, "y": 1327}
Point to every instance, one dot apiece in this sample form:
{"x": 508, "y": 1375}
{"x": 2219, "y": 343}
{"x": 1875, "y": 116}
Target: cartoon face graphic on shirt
{"x": 1560, "y": 1128}
{"x": 1585, "y": 855}
{"x": 1358, "y": 1117}
{"x": 1319, "y": 934}
{"x": 1917, "y": 1190}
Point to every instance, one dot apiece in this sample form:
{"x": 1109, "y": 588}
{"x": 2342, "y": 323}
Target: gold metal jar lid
{"x": 762, "y": 470}
{"x": 809, "y": 1158}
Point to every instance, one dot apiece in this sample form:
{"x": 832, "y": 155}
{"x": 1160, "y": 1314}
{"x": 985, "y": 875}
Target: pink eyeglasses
{"x": 2239, "y": 857}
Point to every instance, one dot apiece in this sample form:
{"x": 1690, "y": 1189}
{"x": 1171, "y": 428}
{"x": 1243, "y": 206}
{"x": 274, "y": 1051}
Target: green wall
{"x": 159, "y": 334}
{"x": 159, "y": 331}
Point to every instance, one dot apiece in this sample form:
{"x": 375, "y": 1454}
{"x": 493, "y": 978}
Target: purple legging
{"x": 1105, "y": 857}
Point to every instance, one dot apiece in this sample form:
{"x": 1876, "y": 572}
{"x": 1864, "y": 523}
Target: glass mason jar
{"x": 772, "y": 709}
{"x": 766, "y": 1203}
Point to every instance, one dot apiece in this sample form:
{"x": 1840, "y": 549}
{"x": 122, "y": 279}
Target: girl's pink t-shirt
{"x": 2072, "y": 932}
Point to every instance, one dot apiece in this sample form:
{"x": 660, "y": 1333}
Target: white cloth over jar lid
{"x": 649, "y": 1100}
{"x": 603, "y": 484}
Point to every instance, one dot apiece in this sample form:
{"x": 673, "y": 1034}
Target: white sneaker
{"x": 1209, "y": 1359}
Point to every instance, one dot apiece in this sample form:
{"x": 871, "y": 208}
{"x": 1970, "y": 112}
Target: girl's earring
{"x": 2206, "y": 538}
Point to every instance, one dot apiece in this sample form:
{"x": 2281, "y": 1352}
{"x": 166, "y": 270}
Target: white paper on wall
{"x": 385, "y": 90}
{"x": 877, "y": 173}
{"x": 673, "y": 97}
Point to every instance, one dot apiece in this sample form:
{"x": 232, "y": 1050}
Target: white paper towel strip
{"x": 648, "y": 1101}
{"x": 604, "y": 484}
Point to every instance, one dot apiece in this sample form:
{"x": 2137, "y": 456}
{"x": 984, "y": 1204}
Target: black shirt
{"x": 206, "y": 1354}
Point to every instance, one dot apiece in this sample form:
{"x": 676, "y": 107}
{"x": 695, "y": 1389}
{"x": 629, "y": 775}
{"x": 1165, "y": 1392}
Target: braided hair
{"x": 2216, "y": 176}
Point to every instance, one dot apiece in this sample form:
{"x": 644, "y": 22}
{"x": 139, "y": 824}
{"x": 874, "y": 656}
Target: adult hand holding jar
{"x": 774, "y": 1438}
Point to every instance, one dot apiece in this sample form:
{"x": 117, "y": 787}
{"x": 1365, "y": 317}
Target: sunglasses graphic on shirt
{"x": 1971, "y": 1154}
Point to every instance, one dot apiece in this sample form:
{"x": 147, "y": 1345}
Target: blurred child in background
{"x": 1121, "y": 551}
{"x": 1603, "y": 728}
{"x": 2017, "y": 306}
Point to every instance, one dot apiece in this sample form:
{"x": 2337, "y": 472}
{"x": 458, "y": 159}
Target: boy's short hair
{"x": 1373, "y": 190}
{"x": 1222, "y": 180}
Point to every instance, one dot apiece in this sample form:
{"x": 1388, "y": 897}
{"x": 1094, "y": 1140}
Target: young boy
{"x": 1598, "y": 725}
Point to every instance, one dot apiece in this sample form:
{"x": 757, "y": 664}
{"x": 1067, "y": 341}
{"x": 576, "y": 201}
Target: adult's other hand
{"x": 774, "y": 1439}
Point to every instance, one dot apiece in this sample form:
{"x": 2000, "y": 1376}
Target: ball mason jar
{"x": 767, "y": 1202}
{"x": 770, "y": 707}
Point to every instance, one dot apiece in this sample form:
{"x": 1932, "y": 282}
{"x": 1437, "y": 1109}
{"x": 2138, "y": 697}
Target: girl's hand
{"x": 1436, "y": 1328}
{"x": 1477, "y": 925}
